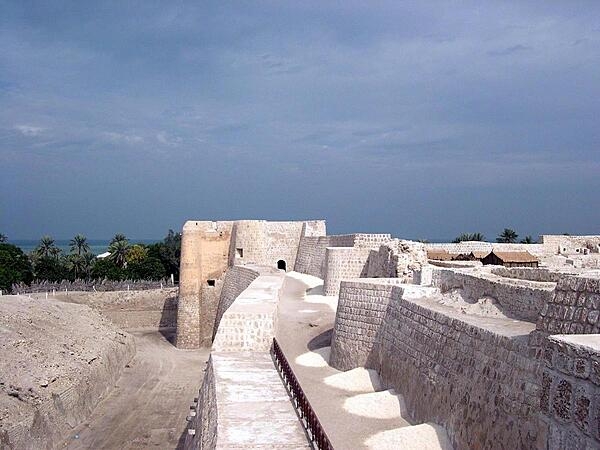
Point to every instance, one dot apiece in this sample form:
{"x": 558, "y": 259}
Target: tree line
{"x": 126, "y": 261}
{"x": 507, "y": 236}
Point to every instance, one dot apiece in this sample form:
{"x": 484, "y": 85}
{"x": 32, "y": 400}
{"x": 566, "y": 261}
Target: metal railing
{"x": 308, "y": 418}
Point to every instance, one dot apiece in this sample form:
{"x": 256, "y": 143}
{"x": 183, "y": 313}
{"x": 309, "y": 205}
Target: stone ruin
{"x": 473, "y": 356}
{"x": 495, "y": 357}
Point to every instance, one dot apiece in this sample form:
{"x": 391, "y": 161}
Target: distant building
{"x": 511, "y": 259}
{"x": 439, "y": 255}
{"x": 479, "y": 255}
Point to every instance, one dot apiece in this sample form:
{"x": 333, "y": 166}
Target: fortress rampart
{"x": 209, "y": 248}
{"x": 499, "y": 357}
{"x": 487, "y": 380}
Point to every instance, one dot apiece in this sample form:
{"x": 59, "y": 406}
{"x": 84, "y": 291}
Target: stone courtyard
{"x": 389, "y": 344}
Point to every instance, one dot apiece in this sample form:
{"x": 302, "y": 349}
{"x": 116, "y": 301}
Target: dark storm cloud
{"x": 423, "y": 119}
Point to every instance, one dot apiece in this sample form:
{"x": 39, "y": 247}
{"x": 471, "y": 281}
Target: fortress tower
{"x": 209, "y": 248}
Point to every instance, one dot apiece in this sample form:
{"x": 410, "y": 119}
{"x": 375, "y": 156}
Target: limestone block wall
{"x": 344, "y": 263}
{"x": 265, "y": 243}
{"x": 314, "y": 228}
{"x": 569, "y": 401}
{"x": 284, "y": 240}
{"x": 370, "y": 240}
{"x": 539, "y": 250}
{"x": 573, "y": 309}
{"x": 244, "y": 405}
{"x": 569, "y": 244}
{"x": 204, "y": 256}
{"x": 311, "y": 252}
{"x": 249, "y": 323}
{"x": 482, "y": 386}
{"x": 209, "y": 248}
{"x": 362, "y": 308}
{"x": 204, "y": 422}
{"x": 519, "y": 299}
{"x": 236, "y": 280}
{"x": 529, "y": 273}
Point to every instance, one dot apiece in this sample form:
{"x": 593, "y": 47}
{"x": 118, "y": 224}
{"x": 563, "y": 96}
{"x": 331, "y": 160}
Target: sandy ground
{"x": 148, "y": 407}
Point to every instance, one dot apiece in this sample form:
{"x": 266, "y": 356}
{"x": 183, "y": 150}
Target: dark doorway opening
{"x": 281, "y": 264}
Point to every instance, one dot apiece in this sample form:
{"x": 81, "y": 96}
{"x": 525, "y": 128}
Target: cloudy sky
{"x": 423, "y": 119}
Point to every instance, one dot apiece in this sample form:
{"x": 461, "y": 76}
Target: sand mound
{"x": 378, "y": 405}
{"x": 57, "y": 360}
{"x": 426, "y": 436}
{"x": 355, "y": 380}
{"x": 316, "y": 358}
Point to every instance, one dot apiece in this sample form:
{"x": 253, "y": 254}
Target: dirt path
{"x": 149, "y": 405}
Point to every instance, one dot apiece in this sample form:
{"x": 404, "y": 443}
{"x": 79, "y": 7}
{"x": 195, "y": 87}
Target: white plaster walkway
{"x": 254, "y": 409}
{"x": 253, "y": 406}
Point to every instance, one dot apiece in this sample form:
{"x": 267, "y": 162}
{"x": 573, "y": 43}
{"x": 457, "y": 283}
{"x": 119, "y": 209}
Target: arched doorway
{"x": 281, "y": 264}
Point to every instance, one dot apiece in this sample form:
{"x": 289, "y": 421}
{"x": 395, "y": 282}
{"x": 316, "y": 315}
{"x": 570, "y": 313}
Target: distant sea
{"x": 97, "y": 246}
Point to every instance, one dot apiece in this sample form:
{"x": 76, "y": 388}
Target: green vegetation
{"x": 528, "y": 240}
{"x": 469, "y": 237}
{"x": 126, "y": 262}
{"x": 15, "y": 267}
{"x": 508, "y": 236}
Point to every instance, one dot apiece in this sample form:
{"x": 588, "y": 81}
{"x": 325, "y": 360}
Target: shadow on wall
{"x": 318, "y": 290}
{"x": 168, "y": 319}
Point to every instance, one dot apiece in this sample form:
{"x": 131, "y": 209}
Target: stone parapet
{"x": 573, "y": 309}
{"x": 569, "y": 399}
{"x": 249, "y": 323}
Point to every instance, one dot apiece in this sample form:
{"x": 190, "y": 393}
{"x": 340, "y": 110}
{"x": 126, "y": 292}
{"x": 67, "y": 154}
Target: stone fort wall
{"x": 481, "y": 385}
{"x": 237, "y": 279}
{"x": 373, "y": 256}
{"x": 491, "y": 382}
{"x": 573, "y": 309}
{"x": 569, "y": 402}
{"x": 570, "y": 244}
{"x": 209, "y": 248}
{"x": 311, "y": 252}
{"x": 519, "y": 299}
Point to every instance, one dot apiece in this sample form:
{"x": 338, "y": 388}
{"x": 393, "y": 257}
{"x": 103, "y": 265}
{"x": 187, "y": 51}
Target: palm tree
{"x": 118, "y": 249}
{"x": 528, "y": 240}
{"x": 3, "y": 238}
{"x": 79, "y": 244}
{"x": 55, "y": 252}
{"x": 469, "y": 237}
{"x": 46, "y": 247}
{"x": 76, "y": 264}
{"x": 508, "y": 236}
{"x": 118, "y": 237}
{"x": 90, "y": 260}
